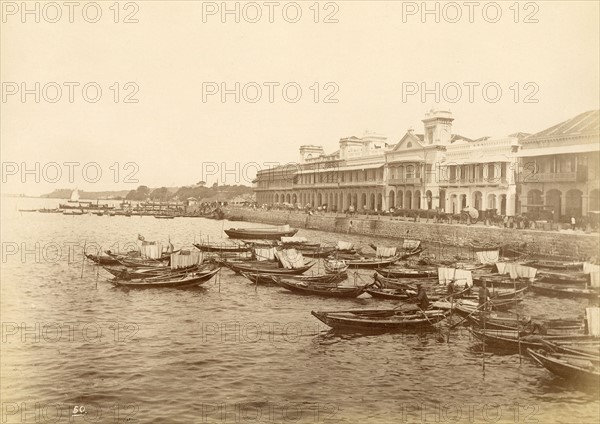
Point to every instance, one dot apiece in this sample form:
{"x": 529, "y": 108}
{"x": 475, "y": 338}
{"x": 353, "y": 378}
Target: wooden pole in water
{"x": 83, "y": 258}
{"x": 518, "y": 332}
{"x": 483, "y": 316}
{"x": 98, "y": 267}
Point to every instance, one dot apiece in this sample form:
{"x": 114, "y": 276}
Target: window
{"x": 408, "y": 145}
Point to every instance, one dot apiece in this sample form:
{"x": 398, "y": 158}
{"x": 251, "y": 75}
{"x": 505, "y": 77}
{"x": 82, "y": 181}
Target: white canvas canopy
{"x": 595, "y": 279}
{"x": 344, "y": 245}
{"x": 290, "y": 258}
{"x": 516, "y": 270}
{"x": 293, "y": 239}
{"x": 593, "y": 321}
{"x": 488, "y": 256}
{"x": 185, "y": 259}
{"x": 458, "y": 276}
{"x": 410, "y": 244}
{"x": 588, "y": 268}
{"x": 385, "y": 252}
{"x": 264, "y": 253}
{"x": 151, "y": 250}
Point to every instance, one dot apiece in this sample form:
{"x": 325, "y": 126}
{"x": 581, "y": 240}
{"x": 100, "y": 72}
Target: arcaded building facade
{"x": 435, "y": 169}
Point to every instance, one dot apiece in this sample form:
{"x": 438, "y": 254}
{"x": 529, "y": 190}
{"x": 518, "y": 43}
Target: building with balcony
{"x": 441, "y": 170}
{"x": 480, "y": 174}
{"x": 559, "y": 168}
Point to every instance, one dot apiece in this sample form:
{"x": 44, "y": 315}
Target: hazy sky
{"x": 367, "y": 61}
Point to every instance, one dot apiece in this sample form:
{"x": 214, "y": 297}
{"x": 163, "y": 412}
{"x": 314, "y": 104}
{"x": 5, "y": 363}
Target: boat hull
{"x": 383, "y": 320}
{"x": 566, "y": 368}
{"x": 258, "y": 235}
{"x": 312, "y": 289}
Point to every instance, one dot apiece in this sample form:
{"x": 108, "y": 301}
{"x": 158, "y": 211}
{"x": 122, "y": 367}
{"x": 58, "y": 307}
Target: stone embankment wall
{"x": 568, "y": 244}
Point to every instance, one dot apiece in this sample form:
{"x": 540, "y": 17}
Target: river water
{"x": 231, "y": 352}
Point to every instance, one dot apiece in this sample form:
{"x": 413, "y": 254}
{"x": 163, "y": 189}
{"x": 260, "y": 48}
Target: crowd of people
{"x": 468, "y": 216}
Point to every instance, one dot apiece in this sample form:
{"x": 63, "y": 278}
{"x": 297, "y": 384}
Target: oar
{"x": 465, "y": 318}
{"x": 425, "y": 315}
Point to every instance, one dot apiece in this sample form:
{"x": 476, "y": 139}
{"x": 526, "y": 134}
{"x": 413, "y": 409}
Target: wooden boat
{"x": 333, "y": 266}
{"x": 141, "y": 263}
{"x": 319, "y": 289}
{"x": 370, "y": 263}
{"x": 50, "y": 210}
{"x": 570, "y": 279}
{"x": 486, "y": 246}
{"x": 73, "y": 212}
{"x": 319, "y": 252}
{"x": 28, "y": 210}
{"x": 511, "y": 339}
{"x": 185, "y": 280}
{"x": 568, "y": 366}
{"x": 366, "y": 320}
{"x": 271, "y": 279}
{"x": 499, "y": 280}
{"x": 124, "y": 273}
{"x": 557, "y": 265}
{"x": 409, "y": 294}
{"x": 507, "y": 294}
{"x": 404, "y": 253}
{"x": 589, "y": 350}
{"x": 221, "y": 248}
{"x": 298, "y": 243}
{"x": 508, "y": 321}
{"x": 164, "y": 216}
{"x": 560, "y": 290}
{"x": 398, "y": 283}
{"x": 102, "y": 259}
{"x": 264, "y": 267}
{"x": 259, "y": 233}
{"x": 390, "y": 294}
{"x": 407, "y": 273}
{"x": 464, "y": 307}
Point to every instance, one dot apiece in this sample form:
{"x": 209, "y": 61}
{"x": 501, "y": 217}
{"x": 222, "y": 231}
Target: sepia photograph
{"x": 300, "y": 212}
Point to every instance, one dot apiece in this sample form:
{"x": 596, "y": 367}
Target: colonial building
{"x": 560, "y": 168}
{"x": 433, "y": 170}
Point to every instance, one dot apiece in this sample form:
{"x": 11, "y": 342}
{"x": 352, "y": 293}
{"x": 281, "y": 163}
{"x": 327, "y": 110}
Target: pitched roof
{"x": 584, "y": 123}
{"x": 519, "y": 135}
{"x": 456, "y": 137}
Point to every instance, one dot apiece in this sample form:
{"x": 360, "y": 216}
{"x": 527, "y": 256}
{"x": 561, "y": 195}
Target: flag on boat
{"x": 141, "y": 237}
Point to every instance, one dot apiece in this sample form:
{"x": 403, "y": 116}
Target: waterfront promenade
{"x": 577, "y": 245}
